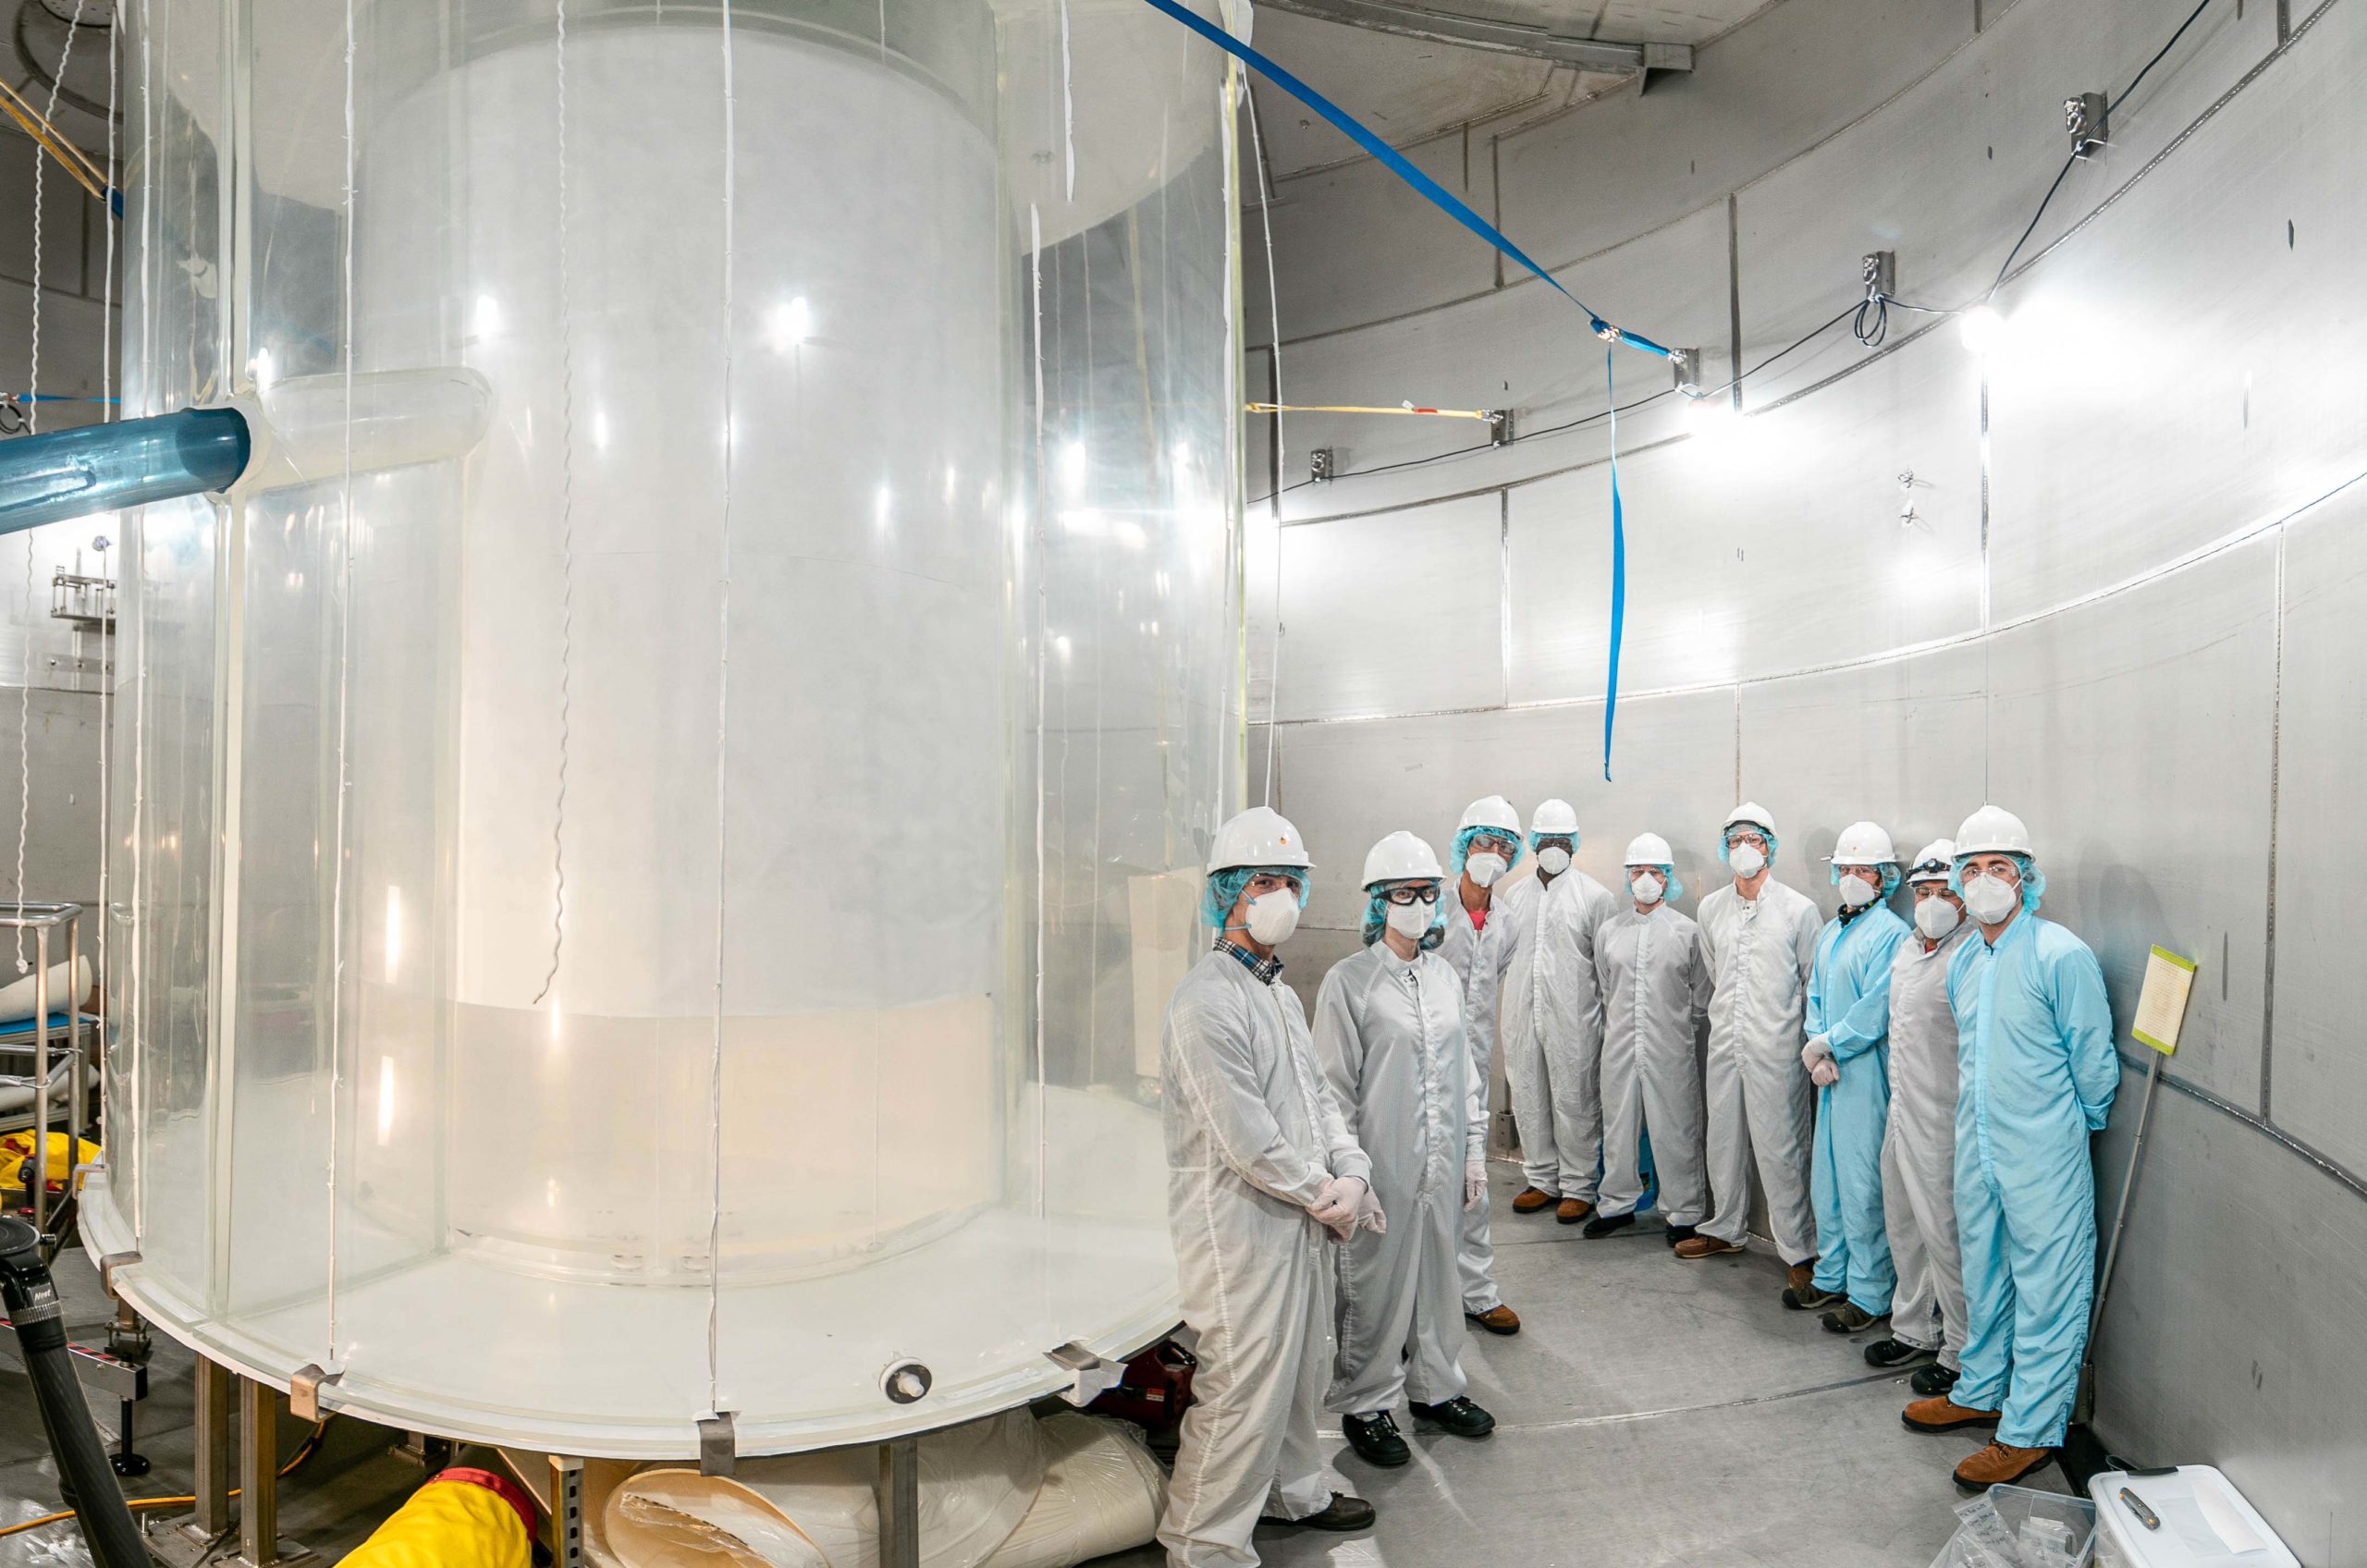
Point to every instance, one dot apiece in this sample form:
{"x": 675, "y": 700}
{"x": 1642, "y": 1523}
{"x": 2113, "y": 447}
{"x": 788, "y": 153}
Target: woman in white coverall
{"x": 1388, "y": 1033}
{"x": 1481, "y": 932}
{"x": 1262, "y": 1177}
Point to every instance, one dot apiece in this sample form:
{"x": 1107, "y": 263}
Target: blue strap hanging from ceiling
{"x": 1398, "y": 165}
{"x": 1618, "y": 572}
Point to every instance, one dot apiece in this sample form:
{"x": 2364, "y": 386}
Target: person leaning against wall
{"x": 2037, "y": 1073}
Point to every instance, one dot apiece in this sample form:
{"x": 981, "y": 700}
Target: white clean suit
{"x": 1761, "y": 1109}
{"x": 1655, "y": 982}
{"x": 1252, "y": 1135}
{"x": 1390, "y": 1037}
{"x": 1481, "y": 954}
{"x": 1920, "y": 1150}
{"x": 1552, "y": 1033}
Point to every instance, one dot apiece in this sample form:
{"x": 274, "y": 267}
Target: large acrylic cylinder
{"x": 659, "y": 817}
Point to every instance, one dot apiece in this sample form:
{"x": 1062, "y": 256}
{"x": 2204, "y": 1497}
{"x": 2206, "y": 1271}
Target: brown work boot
{"x": 1497, "y": 1319}
{"x": 1998, "y": 1464}
{"x": 1531, "y": 1200}
{"x": 1702, "y": 1244}
{"x": 1942, "y": 1414}
{"x": 1800, "y": 1276}
{"x": 1573, "y": 1210}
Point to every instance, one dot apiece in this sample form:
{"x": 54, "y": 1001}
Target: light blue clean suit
{"x": 2036, "y": 1074}
{"x": 1849, "y": 1005}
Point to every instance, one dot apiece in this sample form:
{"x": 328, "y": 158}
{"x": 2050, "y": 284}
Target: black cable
{"x": 1872, "y": 323}
{"x": 2031, "y": 229}
{"x": 2156, "y": 60}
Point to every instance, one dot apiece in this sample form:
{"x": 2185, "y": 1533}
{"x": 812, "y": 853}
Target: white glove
{"x": 1335, "y": 1201}
{"x": 1817, "y": 1050}
{"x": 1369, "y": 1217}
{"x": 1825, "y": 1073}
{"x": 1475, "y": 1183}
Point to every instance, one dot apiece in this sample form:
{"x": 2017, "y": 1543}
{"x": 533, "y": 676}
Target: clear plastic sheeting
{"x": 2017, "y": 1527}
{"x": 637, "y": 814}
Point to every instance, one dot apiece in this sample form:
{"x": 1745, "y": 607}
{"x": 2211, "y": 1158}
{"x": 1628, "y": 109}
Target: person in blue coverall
{"x": 2036, "y": 1072}
{"x": 1848, "y": 1058}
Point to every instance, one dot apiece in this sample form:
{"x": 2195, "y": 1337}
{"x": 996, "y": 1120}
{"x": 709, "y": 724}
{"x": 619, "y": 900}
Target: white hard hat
{"x": 1648, "y": 848}
{"x": 1401, "y": 857}
{"x": 1553, "y": 817}
{"x": 1934, "y": 861}
{"x": 1260, "y": 836}
{"x": 1993, "y": 830}
{"x": 1758, "y": 815}
{"x": 1864, "y": 843}
{"x": 1492, "y": 810}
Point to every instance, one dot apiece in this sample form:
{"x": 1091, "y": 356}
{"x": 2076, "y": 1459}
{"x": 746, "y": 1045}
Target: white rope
{"x": 723, "y": 742}
{"x": 565, "y": 536}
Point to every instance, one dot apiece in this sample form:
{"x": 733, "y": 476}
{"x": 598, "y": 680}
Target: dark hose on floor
{"x": 32, "y": 1300}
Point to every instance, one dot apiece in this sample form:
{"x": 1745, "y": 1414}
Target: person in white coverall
{"x": 1262, "y": 1180}
{"x": 1761, "y": 937}
{"x": 1481, "y": 933}
{"x": 1655, "y": 981}
{"x": 1552, "y": 1023}
{"x": 1926, "y": 1314}
{"x": 1388, "y": 1033}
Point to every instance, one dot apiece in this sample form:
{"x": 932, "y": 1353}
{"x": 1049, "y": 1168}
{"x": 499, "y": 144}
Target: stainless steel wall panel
{"x": 1779, "y": 548}
{"x": 2133, "y": 735}
{"x": 1395, "y": 614}
{"x": 2318, "y": 1074}
{"x": 1898, "y": 742}
{"x": 2160, "y": 384}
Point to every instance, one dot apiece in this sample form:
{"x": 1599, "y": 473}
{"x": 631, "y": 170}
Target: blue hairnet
{"x": 1537, "y": 840}
{"x": 1727, "y": 841}
{"x": 1377, "y": 913}
{"x": 1669, "y": 895}
{"x": 1223, "y": 890}
{"x": 1889, "y": 876}
{"x": 2033, "y": 879}
{"x": 1463, "y": 845}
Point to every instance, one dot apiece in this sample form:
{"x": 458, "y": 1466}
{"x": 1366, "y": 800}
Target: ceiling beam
{"x": 1504, "y": 38}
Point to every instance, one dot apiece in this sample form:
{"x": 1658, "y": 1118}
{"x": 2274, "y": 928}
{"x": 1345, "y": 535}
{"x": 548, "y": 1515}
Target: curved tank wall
{"x": 649, "y": 825}
{"x": 2120, "y": 609}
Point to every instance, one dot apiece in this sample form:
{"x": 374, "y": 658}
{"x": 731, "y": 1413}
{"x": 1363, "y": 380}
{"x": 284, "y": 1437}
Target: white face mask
{"x": 1273, "y": 916}
{"x": 1746, "y": 860}
{"x": 1410, "y": 920}
{"x": 1553, "y": 861}
{"x": 1856, "y": 891}
{"x": 1647, "y": 888}
{"x": 1935, "y": 917}
{"x": 1484, "y": 869}
{"x": 1989, "y": 898}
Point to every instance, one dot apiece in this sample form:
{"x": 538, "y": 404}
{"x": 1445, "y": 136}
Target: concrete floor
{"x": 1653, "y": 1415}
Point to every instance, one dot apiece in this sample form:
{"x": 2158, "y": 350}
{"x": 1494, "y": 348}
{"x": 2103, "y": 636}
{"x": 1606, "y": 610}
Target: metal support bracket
{"x": 304, "y": 1387}
{"x": 1321, "y": 464}
{"x": 1500, "y": 427}
{"x": 718, "y": 1445}
{"x": 1090, "y": 1376}
{"x": 259, "y": 1542}
{"x": 566, "y": 1541}
{"x": 898, "y": 1498}
{"x": 2088, "y": 118}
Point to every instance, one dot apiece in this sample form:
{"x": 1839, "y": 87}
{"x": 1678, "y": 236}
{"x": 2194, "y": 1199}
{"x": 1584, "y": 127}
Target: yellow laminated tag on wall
{"x": 2161, "y": 1006}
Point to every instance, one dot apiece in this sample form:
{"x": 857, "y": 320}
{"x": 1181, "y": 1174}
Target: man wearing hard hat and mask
{"x": 1481, "y": 933}
{"x": 1388, "y": 1033}
{"x": 1552, "y": 1023}
{"x": 1918, "y": 1152}
{"x": 2036, "y": 1075}
{"x": 1262, "y": 1175}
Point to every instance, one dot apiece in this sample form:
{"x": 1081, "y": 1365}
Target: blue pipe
{"x": 99, "y": 468}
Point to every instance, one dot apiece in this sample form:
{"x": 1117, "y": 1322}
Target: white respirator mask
{"x": 1273, "y": 916}
{"x": 1411, "y": 921}
{"x": 1746, "y": 860}
{"x": 1857, "y": 893}
{"x": 1936, "y": 918}
{"x": 1991, "y": 898}
{"x": 1484, "y": 869}
{"x": 1553, "y": 861}
{"x": 1647, "y": 888}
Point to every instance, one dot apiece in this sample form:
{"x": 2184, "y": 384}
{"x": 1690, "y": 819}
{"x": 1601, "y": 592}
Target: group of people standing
{"x": 1914, "y": 1100}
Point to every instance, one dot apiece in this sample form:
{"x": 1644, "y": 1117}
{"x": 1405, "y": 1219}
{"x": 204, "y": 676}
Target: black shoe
{"x": 1676, "y": 1233}
{"x": 1603, "y": 1225}
{"x": 1808, "y": 1297}
{"x": 1850, "y": 1319}
{"x": 1458, "y": 1416}
{"x": 1931, "y": 1381}
{"x": 1897, "y": 1353}
{"x": 1344, "y": 1512}
{"x": 1376, "y": 1438}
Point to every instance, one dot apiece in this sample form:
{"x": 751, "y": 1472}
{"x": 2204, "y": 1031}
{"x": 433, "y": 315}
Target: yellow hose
{"x": 457, "y": 1520}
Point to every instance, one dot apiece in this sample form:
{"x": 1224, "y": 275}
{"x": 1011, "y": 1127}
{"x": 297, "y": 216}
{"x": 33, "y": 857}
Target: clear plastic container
{"x": 652, "y": 822}
{"x": 2017, "y": 1527}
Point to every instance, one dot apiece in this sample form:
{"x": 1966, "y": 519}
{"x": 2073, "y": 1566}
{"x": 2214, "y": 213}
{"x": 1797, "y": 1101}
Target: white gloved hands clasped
{"x": 1369, "y": 1216}
{"x": 1817, "y": 1057}
{"x": 1475, "y": 1183}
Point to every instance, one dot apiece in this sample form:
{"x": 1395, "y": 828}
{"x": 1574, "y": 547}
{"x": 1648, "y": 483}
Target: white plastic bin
{"x": 2206, "y": 1523}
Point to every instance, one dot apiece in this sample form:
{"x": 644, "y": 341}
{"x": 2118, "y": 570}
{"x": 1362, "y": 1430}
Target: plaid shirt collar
{"x": 1265, "y": 969}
